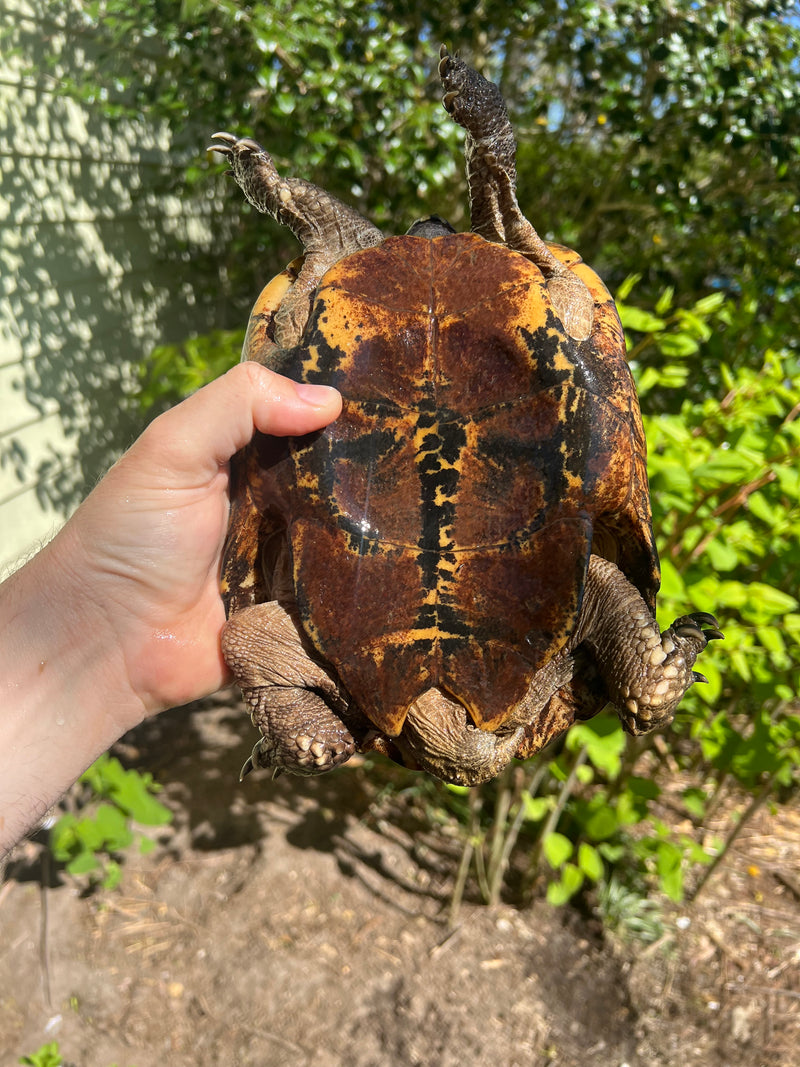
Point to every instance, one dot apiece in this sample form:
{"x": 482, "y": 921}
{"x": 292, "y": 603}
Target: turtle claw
{"x": 698, "y": 677}
{"x": 252, "y": 760}
{"x": 448, "y": 100}
{"x": 226, "y": 148}
{"x": 448, "y": 69}
{"x": 699, "y": 626}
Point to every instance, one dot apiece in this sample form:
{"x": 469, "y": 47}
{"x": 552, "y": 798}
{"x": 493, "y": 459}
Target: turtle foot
{"x": 302, "y": 736}
{"x": 671, "y": 674}
{"x": 292, "y": 699}
{"x": 475, "y": 103}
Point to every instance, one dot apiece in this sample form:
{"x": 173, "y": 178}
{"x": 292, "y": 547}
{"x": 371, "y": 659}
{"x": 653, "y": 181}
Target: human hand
{"x": 120, "y": 615}
{"x": 149, "y": 538}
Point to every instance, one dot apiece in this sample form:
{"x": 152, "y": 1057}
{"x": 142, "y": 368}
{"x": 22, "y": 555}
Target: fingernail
{"x": 316, "y": 395}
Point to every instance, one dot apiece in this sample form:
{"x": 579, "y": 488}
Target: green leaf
{"x": 677, "y": 345}
{"x": 614, "y": 853}
{"x": 536, "y": 808}
{"x": 83, "y": 863}
{"x": 638, "y": 319}
{"x": 560, "y": 892}
{"x": 48, "y": 1055}
{"x": 112, "y": 825}
{"x": 624, "y": 291}
{"x": 602, "y": 824}
{"x": 664, "y": 302}
{"x": 604, "y": 740}
{"x": 672, "y": 584}
{"x": 590, "y": 862}
{"x": 112, "y": 875}
{"x": 647, "y": 380}
{"x": 721, "y": 556}
{"x": 133, "y": 792}
{"x": 766, "y": 600}
{"x": 63, "y": 837}
{"x": 761, "y": 508}
{"x": 557, "y": 849}
{"x": 695, "y": 800}
{"x": 670, "y": 871}
{"x": 709, "y": 304}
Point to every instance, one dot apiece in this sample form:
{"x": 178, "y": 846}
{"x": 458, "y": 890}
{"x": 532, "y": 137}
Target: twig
{"x": 505, "y": 797}
{"x": 475, "y": 804}
{"x": 511, "y": 837}
{"x": 791, "y": 883}
{"x": 554, "y": 816}
{"x": 565, "y": 793}
{"x": 445, "y": 941}
{"x": 726, "y": 950}
{"x": 460, "y": 882}
{"x": 757, "y": 802}
{"x": 736, "y": 987}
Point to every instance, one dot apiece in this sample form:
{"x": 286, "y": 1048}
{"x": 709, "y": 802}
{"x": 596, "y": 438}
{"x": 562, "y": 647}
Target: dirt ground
{"x": 293, "y": 923}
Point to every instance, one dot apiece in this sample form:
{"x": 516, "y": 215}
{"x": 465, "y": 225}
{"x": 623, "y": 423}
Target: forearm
{"x": 63, "y": 693}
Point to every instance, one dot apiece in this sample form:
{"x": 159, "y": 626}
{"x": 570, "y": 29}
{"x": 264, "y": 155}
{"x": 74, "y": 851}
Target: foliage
{"x": 88, "y": 841}
{"x": 48, "y": 1055}
{"x": 174, "y": 371}
{"x": 654, "y": 136}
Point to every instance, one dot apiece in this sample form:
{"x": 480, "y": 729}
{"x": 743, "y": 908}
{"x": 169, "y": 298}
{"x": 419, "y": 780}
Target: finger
{"x": 205, "y": 430}
{"x": 285, "y": 407}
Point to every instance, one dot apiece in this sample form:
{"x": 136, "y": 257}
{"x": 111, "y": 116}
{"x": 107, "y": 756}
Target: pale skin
{"x": 119, "y": 616}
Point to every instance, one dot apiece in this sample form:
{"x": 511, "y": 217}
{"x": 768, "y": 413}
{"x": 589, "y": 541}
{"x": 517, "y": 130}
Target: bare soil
{"x": 301, "y": 922}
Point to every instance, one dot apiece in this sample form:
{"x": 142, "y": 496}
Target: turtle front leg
{"x": 328, "y": 229}
{"x": 646, "y": 672}
{"x": 478, "y": 106}
{"x": 288, "y": 693}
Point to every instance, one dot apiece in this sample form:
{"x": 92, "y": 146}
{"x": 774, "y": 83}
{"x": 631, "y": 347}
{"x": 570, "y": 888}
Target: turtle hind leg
{"x": 491, "y": 150}
{"x": 328, "y": 229}
{"x": 645, "y": 672}
{"x": 299, "y": 732}
{"x": 291, "y": 697}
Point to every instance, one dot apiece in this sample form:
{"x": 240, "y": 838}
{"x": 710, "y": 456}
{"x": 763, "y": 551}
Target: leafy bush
{"x": 113, "y": 800}
{"x": 172, "y": 372}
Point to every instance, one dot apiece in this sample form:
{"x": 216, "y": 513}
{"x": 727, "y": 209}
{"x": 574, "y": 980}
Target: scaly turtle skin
{"x": 463, "y": 564}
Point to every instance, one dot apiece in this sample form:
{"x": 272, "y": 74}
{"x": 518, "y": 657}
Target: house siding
{"x": 92, "y": 277}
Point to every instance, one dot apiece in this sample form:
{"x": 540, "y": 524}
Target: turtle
{"x": 463, "y": 564}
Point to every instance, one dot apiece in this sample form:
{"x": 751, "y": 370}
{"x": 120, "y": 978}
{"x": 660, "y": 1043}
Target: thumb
{"x": 202, "y": 433}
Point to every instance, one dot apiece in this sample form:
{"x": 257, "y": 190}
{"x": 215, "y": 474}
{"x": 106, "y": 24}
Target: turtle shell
{"x": 440, "y": 529}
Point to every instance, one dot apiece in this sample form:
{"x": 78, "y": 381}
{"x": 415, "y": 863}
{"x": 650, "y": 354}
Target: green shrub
{"x": 113, "y": 799}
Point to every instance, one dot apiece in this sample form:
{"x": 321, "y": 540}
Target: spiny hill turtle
{"x": 463, "y": 563}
